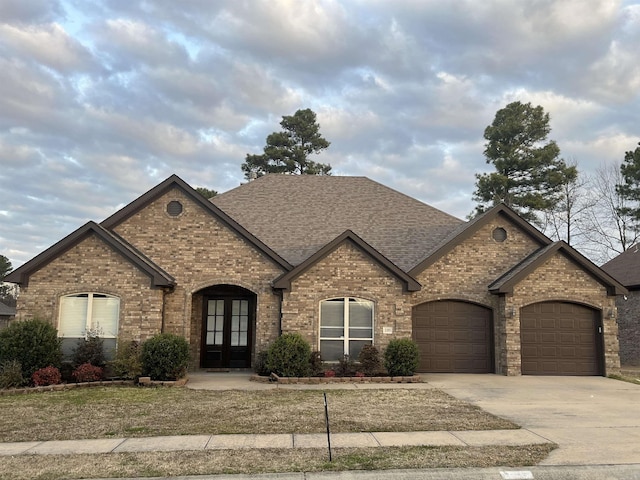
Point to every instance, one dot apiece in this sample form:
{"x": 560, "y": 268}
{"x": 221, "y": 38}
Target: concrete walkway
{"x": 285, "y": 441}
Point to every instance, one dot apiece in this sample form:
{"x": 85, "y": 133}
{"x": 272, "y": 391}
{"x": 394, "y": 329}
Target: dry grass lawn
{"x": 160, "y": 464}
{"x": 103, "y": 412}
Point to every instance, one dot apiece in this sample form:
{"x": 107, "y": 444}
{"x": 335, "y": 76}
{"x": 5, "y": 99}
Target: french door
{"x": 227, "y": 331}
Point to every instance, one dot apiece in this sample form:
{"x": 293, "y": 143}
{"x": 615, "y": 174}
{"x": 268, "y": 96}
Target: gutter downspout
{"x": 165, "y": 292}
{"x": 281, "y": 297}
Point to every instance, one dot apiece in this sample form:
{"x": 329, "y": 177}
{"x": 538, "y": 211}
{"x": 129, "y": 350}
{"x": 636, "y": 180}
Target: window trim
{"x": 345, "y": 327}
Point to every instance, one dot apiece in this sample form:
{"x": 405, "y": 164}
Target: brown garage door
{"x": 453, "y": 337}
{"x": 560, "y": 338}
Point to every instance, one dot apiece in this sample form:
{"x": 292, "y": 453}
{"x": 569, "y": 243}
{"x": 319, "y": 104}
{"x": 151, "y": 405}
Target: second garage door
{"x": 560, "y": 338}
{"x": 453, "y": 337}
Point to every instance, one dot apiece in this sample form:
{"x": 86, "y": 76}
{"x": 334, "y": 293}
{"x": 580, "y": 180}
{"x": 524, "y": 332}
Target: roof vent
{"x": 174, "y": 208}
{"x": 499, "y": 234}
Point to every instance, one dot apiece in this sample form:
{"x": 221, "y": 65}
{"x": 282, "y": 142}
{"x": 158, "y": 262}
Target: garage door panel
{"x": 453, "y": 337}
{"x": 559, "y": 338}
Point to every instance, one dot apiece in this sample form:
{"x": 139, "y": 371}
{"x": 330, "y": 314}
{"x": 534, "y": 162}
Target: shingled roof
{"x": 626, "y": 268}
{"x": 297, "y": 215}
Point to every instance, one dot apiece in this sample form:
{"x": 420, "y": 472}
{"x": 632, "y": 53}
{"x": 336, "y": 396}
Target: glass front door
{"x": 227, "y": 332}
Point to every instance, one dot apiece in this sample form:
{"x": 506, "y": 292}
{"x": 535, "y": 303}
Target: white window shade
{"x": 104, "y": 316}
{"x": 73, "y": 316}
{"x": 89, "y": 311}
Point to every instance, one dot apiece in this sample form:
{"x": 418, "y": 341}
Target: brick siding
{"x": 347, "y": 272}
{"x": 559, "y": 279}
{"x": 629, "y": 328}
{"x": 468, "y": 269}
{"x": 199, "y": 252}
{"x": 92, "y": 266}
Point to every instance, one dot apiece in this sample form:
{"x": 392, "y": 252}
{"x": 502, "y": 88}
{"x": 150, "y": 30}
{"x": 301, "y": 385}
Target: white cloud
{"x": 47, "y": 44}
{"x": 106, "y": 99}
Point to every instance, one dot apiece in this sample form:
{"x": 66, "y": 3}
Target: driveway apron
{"x": 594, "y": 420}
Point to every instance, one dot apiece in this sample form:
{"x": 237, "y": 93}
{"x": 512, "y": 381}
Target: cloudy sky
{"x": 102, "y": 100}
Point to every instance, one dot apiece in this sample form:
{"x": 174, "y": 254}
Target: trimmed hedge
{"x": 289, "y": 356}
{"x": 165, "y": 357}
{"x": 401, "y": 357}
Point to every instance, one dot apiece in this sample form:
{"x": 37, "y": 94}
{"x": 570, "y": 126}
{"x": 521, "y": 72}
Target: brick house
{"x": 344, "y": 261}
{"x": 626, "y": 269}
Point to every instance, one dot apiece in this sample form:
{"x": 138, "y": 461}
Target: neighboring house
{"x": 626, "y": 269}
{"x": 7, "y": 314}
{"x": 344, "y": 261}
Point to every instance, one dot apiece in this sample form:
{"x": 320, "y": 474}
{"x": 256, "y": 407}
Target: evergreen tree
{"x": 529, "y": 174}
{"x": 288, "y": 151}
{"x": 629, "y": 187}
{"x": 5, "y": 266}
{"x": 206, "y": 193}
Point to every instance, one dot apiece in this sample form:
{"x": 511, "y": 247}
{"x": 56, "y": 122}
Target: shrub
{"x": 289, "y": 356}
{"x": 165, "y": 357}
{"x": 11, "y": 374}
{"x": 315, "y": 364}
{"x": 401, "y": 357}
{"x": 369, "y": 359}
{"x": 33, "y": 343}
{"x": 329, "y": 373}
{"x": 127, "y": 363}
{"x": 89, "y": 350}
{"x": 260, "y": 364}
{"x": 346, "y": 367}
{"x": 46, "y": 376}
{"x": 87, "y": 373}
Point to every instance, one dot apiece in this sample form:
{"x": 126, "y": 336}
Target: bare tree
{"x": 566, "y": 219}
{"x": 608, "y": 232}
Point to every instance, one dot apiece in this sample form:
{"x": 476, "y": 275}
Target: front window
{"x": 346, "y": 325}
{"x": 83, "y": 313}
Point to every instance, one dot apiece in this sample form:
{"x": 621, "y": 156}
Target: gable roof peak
{"x": 159, "y": 278}
{"x": 174, "y": 180}
{"x": 519, "y": 272}
{"x": 466, "y": 230}
{"x": 284, "y": 281}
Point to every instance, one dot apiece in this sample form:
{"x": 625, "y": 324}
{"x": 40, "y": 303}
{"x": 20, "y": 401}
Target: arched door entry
{"x": 228, "y": 321}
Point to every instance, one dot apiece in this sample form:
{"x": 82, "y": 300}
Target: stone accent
{"x": 629, "y": 328}
{"x": 347, "y": 272}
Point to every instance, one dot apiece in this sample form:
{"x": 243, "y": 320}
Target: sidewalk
{"x": 474, "y": 438}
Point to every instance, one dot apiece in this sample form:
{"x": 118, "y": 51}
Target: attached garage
{"x": 560, "y": 338}
{"x": 453, "y": 337}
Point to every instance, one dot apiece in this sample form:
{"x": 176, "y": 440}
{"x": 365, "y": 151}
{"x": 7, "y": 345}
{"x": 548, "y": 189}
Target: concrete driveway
{"x": 594, "y": 420}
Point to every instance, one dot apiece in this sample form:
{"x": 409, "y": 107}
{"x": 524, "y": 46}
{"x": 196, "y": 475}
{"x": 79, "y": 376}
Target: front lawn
{"x": 103, "y": 412}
